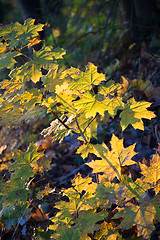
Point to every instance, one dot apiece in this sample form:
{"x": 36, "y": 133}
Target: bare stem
{"x": 56, "y": 116}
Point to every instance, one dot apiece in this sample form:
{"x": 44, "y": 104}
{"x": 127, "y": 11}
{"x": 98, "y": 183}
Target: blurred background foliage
{"x": 92, "y": 30}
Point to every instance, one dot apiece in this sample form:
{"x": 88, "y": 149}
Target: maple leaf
{"x": 23, "y": 167}
{"x": 123, "y": 154}
{"x": 14, "y": 191}
{"x": 34, "y": 41}
{"x": 157, "y": 187}
{"x": 113, "y": 160}
{"x": 2, "y": 48}
{"x": 11, "y": 85}
{"x": 83, "y": 81}
{"x": 142, "y": 216}
{"x": 109, "y": 88}
{"x": 133, "y": 189}
{"x": 84, "y": 184}
{"x": 107, "y": 231}
{"x": 156, "y": 202}
{"x": 46, "y": 54}
{"x": 54, "y": 78}
{"x": 108, "y": 193}
{"x": 7, "y": 60}
{"x": 90, "y": 104}
{"x": 66, "y": 233}
{"x": 69, "y": 208}
{"x": 87, "y": 127}
{"x": 29, "y": 98}
{"x": 134, "y": 112}
{"x": 112, "y": 105}
{"x": 49, "y": 103}
{"x": 45, "y": 58}
{"x": 85, "y": 149}
{"x": 10, "y": 113}
{"x": 86, "y": 221}
{"x": 17, "y": 34}
{"x": 66, "y": 103}
{"x": 151, "y": 173}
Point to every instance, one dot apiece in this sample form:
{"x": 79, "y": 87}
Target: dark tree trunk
{"x": 30, "y": 9}
{"x": 143, "y": 18}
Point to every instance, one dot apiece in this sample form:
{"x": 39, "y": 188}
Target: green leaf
{"x": 44, "y": 58}
{"x": 133, "y": 189}
{"x": 142, "y": 216}
{"x": 54, "y": 78}
{"x": 112, "y": 105}
{"x": 33, "y": 71}
{"x": 85, "y": 149}
{"x": 11, "y": 85}
{"x": 83, "y": 81}
{"x": 47, "y": 54}
{"x": 86, "y": 221}
{"x": 134, "y": 112}
{"x": 65, "y": 233}
{"x": 29, "y": 98}
{"x": 10, "y": 113}
{"x": 18, "y": 34}
{"x": 109, "y": 88}
{"x": 7, "y": 60}
{"x": 14, "y": 191}
{"x": 67, "y": 104}
{"x": 24, "y": 164}
{"x": 156, "y": 202}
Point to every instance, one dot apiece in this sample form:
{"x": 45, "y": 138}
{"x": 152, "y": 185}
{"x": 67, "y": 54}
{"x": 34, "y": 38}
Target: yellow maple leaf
{"x": 134, "y": 112}
{"x": 142, "y": 215}
{"x": 152, "y": 173}
{"x": 85, "y": 184}
{"x": 113, "y": 160}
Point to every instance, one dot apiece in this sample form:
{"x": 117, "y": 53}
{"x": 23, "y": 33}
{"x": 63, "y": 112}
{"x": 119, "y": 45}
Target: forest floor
{"x": 63, "y": 162}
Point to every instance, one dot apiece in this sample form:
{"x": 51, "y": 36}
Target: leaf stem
{"x": 80, "y": 130}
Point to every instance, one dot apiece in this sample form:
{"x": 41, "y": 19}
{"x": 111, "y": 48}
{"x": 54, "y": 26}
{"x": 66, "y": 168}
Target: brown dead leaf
{"x": 37, "y": 215}
{"x": 125, "y": 84}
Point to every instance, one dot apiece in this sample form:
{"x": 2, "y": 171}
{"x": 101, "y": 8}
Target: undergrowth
{"x": 103, "y": 204}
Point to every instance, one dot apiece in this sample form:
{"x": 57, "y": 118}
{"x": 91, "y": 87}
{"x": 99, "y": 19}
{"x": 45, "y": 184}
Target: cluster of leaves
{"x": 40, "y": 84}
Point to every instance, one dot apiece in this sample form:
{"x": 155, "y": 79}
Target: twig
{"x": 56, "y": 116}
{"x": 152, "y": 57}
{"x": 80, "y": 130}
{"x": 105, "y": 30}
{"x": 90, "y": 122}
{"x": 139, "y": 69}
{"x": 82, "y": 36}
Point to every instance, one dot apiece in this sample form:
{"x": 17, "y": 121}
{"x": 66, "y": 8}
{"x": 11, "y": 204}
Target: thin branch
{"x": 56, "y": 116}
{"x": 80, "y": 130}
{"x": 83, "y": 36}
{"x": 105, "y": 30}
{"x": 78, "y": 125}
{"x": 90, "y": 122}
